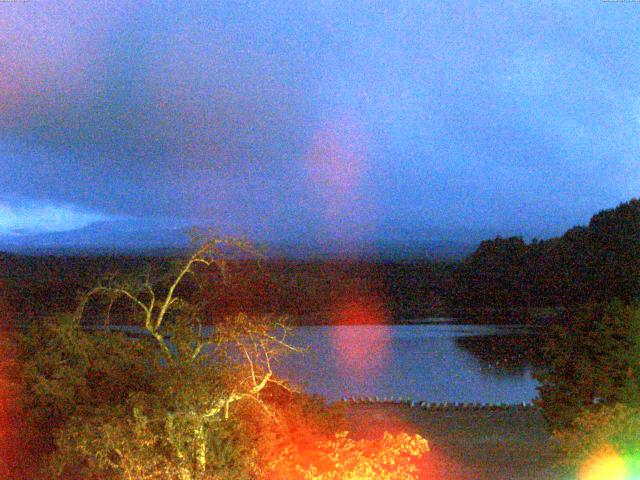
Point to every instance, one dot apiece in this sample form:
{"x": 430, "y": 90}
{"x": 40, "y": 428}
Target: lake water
{"x": 433, "y": 362}
{"x": 427, "y": 362}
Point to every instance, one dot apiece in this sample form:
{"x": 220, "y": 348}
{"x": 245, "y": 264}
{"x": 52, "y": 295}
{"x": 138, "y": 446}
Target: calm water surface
{"x": 436, "y": 363}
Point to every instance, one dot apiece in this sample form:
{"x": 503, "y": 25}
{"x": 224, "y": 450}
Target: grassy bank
{"x": 469, "y": 445}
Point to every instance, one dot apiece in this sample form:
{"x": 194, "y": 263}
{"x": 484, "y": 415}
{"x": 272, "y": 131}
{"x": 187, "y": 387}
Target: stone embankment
{"x": 436, "y": 405}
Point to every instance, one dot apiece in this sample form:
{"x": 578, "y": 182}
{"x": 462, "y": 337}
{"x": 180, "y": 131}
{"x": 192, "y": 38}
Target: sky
{"x": 318, "y": 121}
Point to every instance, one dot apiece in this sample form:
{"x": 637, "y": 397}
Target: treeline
{"x": 35, "y": 286}
{"x": 312, "y": 290}
{"x": 594, "y": 263}
{"x": 306, "y": 290}
{"x": 504, "y": 280}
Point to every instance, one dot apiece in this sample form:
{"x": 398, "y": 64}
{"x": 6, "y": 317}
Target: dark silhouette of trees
{"x": 595, "y": 263}
{"x": 592, "y": 263}
{"x": 494, "y": 275}
{"x": 615, "y": 251}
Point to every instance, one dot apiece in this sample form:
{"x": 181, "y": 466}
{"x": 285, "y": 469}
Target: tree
{"x": 615, "y": 238}
{"x": 495, "y": 275}
{"x": 603, "y": 440}
{"x": 594, "y": 263}
{"x": 593, "y": 359}
{"x": 161, "y": 406}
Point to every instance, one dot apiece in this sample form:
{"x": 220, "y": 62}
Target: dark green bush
{"x": 592, "y": 359}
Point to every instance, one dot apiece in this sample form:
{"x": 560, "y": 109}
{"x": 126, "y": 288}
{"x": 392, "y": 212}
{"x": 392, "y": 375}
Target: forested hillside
{"x": 596, "y": 262}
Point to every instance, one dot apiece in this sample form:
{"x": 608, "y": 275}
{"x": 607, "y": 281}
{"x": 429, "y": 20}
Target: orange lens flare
{"x": 7, "y": 430}
{"x": 362, "y": 347}
{"x": 606, "y": 464}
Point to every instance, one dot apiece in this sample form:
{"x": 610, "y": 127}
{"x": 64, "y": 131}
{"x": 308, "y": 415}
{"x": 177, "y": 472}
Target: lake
{"x": 434, "y": 362}
{"x": 426, "y": 362}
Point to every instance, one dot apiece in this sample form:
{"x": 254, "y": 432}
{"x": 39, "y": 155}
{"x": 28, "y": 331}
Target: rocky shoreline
{"x": 445, "y": 406}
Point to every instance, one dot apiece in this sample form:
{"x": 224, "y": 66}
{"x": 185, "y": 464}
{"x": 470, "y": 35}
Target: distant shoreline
{"x": 527, "y": 316}
{"x": 472, "y": 317}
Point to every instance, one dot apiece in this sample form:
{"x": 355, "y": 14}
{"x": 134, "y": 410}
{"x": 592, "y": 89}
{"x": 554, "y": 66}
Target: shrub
{"x": 342, "y": 458}
{"x": 592, "y": 359}
{"x": 604, "y": 438}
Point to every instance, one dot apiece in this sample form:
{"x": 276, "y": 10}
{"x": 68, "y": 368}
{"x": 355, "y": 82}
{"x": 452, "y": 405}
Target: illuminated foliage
{"x": 342, "y": 458}
{"x": 162, "y": 406}
{"x": 295, "y": 420}
{"x": 182, "y": 401}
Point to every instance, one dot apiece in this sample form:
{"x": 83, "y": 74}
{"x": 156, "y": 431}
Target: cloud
{"x": 207, "y": 112}
{"x": 40, "y": 218}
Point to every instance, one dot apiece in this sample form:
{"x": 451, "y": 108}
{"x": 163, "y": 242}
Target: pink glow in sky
{"x": 337, "y": 162}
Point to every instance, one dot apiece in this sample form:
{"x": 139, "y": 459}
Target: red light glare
{"x": 362, "y": 338}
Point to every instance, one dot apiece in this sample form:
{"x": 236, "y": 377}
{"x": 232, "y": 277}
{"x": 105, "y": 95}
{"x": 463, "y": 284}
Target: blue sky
{"x": 298, "y": 121}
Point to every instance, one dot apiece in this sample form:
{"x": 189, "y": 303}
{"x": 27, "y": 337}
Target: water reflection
{"x": 431, "y": 362}
{"x": 438, "y": 363}
{"x": 504, "y": 354}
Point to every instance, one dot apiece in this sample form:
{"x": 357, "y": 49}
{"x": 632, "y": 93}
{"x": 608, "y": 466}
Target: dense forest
{"x": 37, "y": 285}
{"x": 504, "y": 278}
{"x": 597, "y": 262}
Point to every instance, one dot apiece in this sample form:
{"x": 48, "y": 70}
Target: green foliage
{"x": 341, "y": 458}
{"x": 611, "y": 429}
{"x": 592, "y": 359}
{"x": 67, "y": 369}
{"x": 147, "y": 439}
{"x": 165, "y": 405}
{"x": 120, "y": 410}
